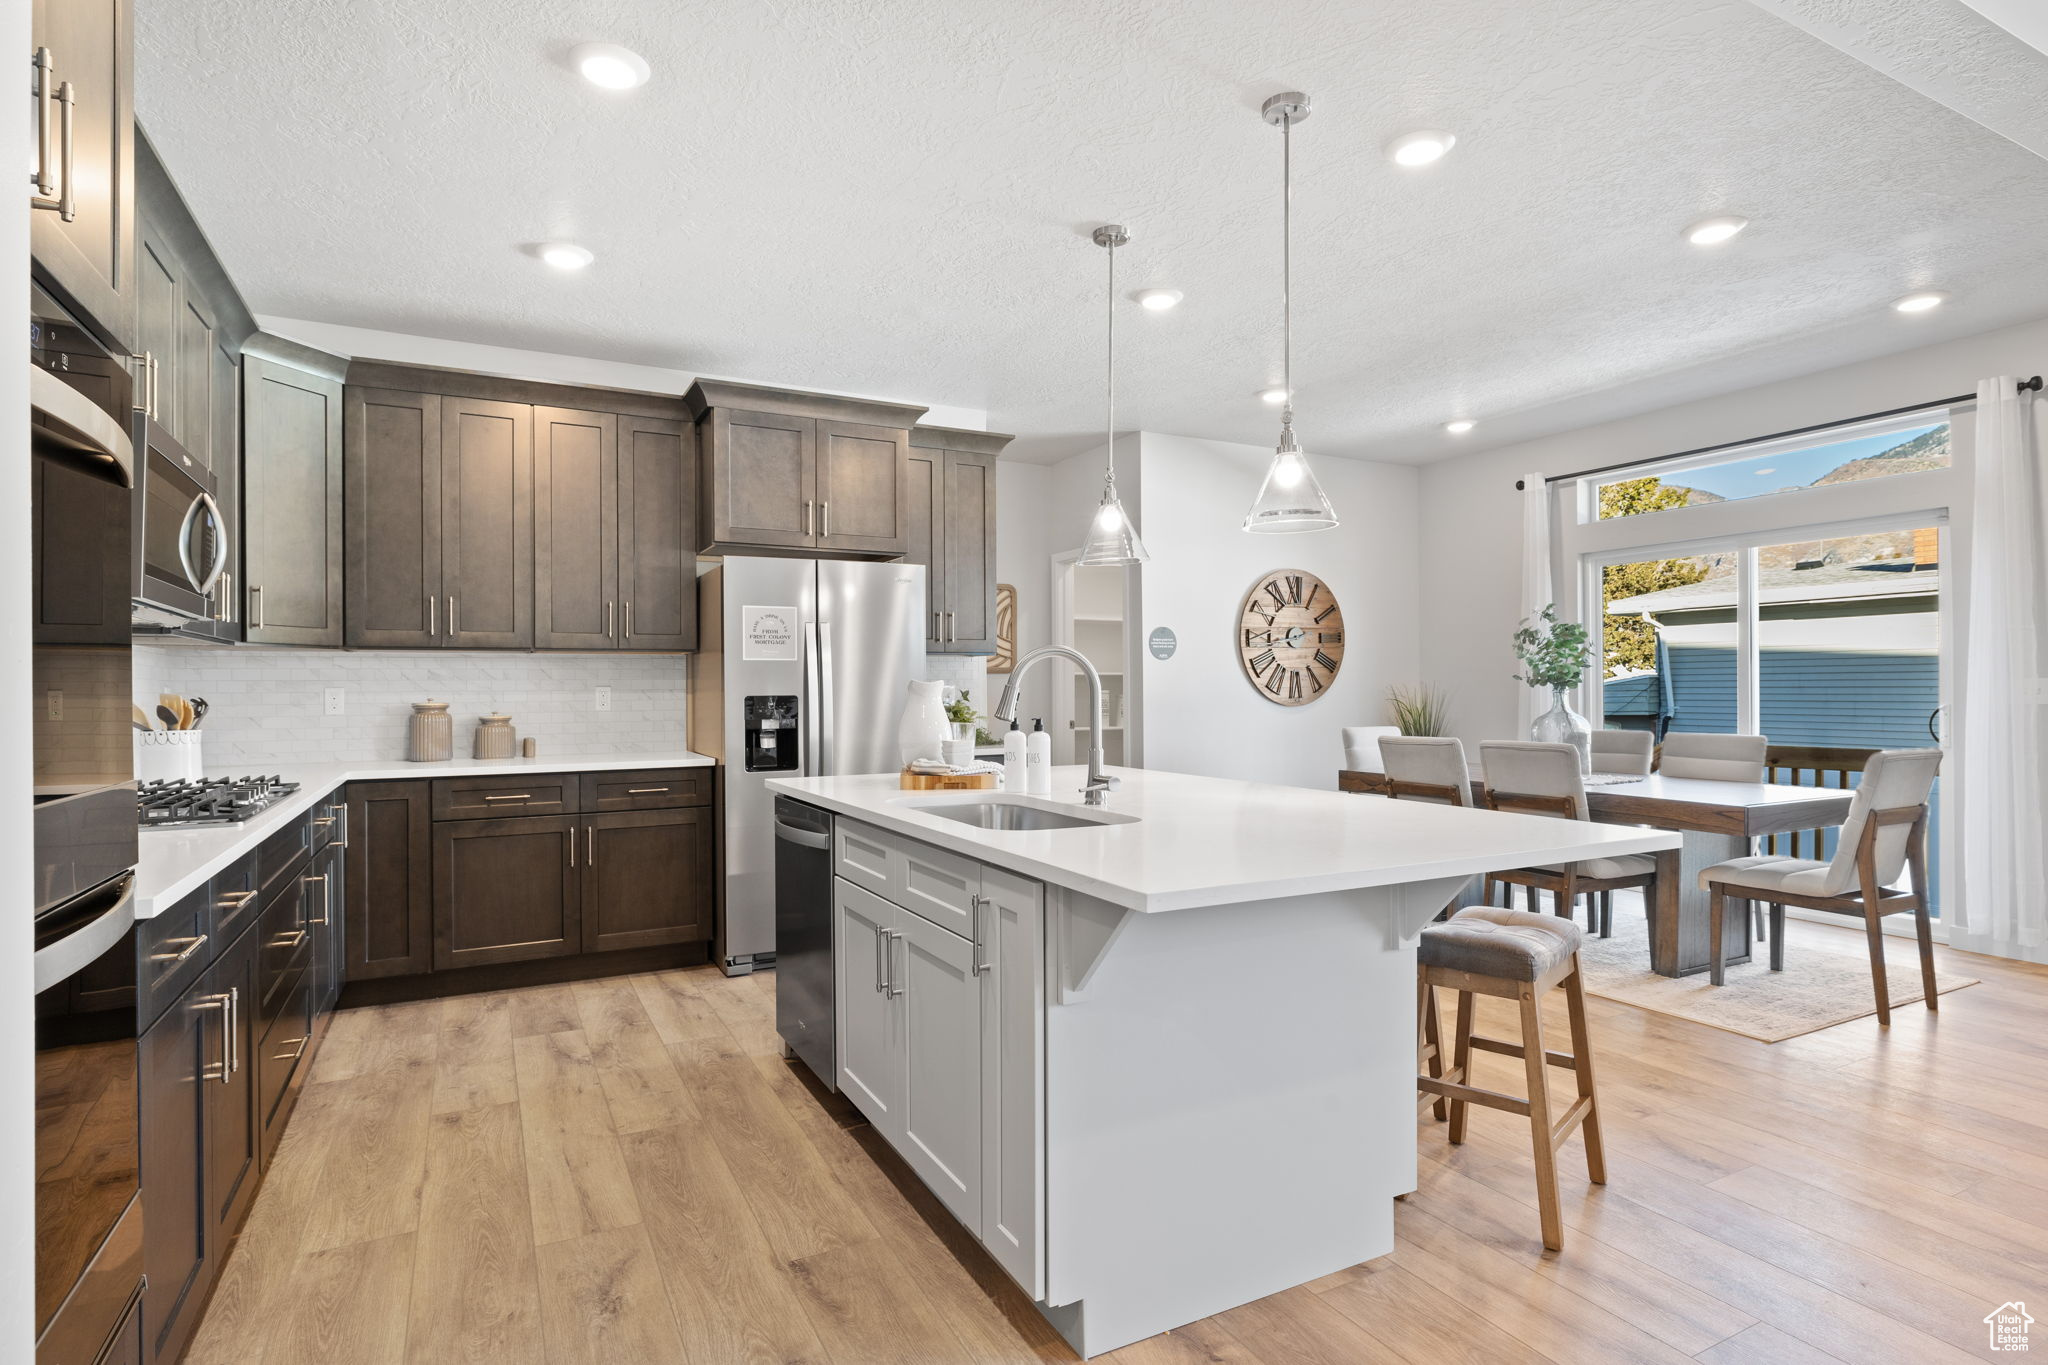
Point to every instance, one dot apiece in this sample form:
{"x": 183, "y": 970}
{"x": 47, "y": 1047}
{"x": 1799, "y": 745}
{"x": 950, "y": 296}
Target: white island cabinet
{"x": 1161, "y": 1062}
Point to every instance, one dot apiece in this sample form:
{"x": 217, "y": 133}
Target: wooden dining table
{"x": 1717, "y": 819}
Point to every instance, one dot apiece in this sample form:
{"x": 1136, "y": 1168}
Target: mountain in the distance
{"x": 1928, "y": 450}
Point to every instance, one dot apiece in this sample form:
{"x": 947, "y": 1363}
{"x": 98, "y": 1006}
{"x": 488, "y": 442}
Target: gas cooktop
{"x": 209, "y": 800}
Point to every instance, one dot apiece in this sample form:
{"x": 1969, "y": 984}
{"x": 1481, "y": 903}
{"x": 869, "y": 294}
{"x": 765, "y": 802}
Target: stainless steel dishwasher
{"x": 803, "y": 937}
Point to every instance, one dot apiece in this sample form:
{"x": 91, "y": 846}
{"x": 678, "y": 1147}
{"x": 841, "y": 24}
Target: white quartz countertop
{"x": 1199, "y": 841}
{"x": 176, "y": 861}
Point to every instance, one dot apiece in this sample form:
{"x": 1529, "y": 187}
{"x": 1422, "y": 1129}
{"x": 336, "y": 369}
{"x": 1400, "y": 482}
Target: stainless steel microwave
{"x": 181, "y": 538}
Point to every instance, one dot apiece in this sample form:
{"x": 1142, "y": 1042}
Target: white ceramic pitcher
{"x": 924, "y": 729}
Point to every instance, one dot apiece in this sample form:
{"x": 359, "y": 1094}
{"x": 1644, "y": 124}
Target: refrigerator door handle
{"x": 807, "y": 705}
{"x": 824, "y": 704}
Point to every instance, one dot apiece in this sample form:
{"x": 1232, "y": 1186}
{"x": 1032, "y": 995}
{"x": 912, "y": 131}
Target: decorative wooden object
{"x": 1290, "y": 637}
{"x": 946, "y": 782}
{"x": 1005, "y": 657}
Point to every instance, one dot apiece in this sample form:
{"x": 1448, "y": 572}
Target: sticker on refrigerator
{"x": 768, "y": 633}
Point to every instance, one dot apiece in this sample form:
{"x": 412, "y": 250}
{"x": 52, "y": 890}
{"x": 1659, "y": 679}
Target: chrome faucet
{"x": 1099, "y": 783}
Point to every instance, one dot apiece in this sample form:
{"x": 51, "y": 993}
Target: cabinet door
{"x": 938, "y": 993}
{"x": 860, "y": 485}
{"x": 657, "y": 533}
{"x": 193, "y": 376}
{"x": 923, "y": 528}
{"x": 224, "y": 421}
{"x": 487, "y": 523}
{"x": 576, "y": 514}
{"x": 647, "y": 878}
{"x": 870, "y": 1026}
{"x": 391, "y": 458}
{"x": 156, "y": 328}
{"x": 233, "y": 1135}
{"x": 967, "y": 552}
{"x": 324, "y": 915}
{"x": 291, "y": 504}
{"x": 92, "y": 258}
{"x": 180, "y": 1064}
{"x": 1012, "y": 959}
{"x": 506, "y": 890}
{"x": 760, "y": 479}
{"x": 387, "y": 895}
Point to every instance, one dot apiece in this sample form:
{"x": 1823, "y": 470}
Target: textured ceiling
{"x": 893, "y": 197}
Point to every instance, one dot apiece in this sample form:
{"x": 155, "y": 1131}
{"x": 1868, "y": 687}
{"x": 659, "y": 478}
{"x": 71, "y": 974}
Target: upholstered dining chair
{"x": 1430, "y": 768}
{"x": 1623, "y": 751}
{"x": 1361, "y": 749}
{"x": 1885, "y": 835}
{"x": 1718, "y": 758}
{"x": 1544, "y": 779}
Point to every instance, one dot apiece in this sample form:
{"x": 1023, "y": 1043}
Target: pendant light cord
{"x": 1287, "y": 267}
{"x": 1109, "y": 453}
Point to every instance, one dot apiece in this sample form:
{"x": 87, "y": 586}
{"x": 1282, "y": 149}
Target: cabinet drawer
{"x": 283, "y": 944}
{"x": 940, "y": 886}
{"x": 652, "y": 789}
{"x": 280, "y": 855}
{"x": 325, "y": 821}
{"x": 867, "y": 857}
{"x": 171, "y": 951}
{"x": 485, "y": 798}
{"x": 234, "y": 899}
{"x": 286, "y": 1036}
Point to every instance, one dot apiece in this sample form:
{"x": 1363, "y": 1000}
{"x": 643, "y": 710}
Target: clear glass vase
{"x": 1562, "y": 725}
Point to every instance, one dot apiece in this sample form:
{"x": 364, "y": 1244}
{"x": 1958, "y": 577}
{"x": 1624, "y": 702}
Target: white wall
{"x": 1201, "y": 714}
{"x": 17, "y": 945}
{"x": 404, "y": 348}
{"x": 1470, "y": 558}
{"x": 267, "y": 706}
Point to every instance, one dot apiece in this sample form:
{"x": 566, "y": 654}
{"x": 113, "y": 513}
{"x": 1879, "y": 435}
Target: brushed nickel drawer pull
{"x": 433, "y": 615}
{"x": 291, "y": 940}
{"x": 643, "y": 791}
{"x": 824, "y": 520}
{"x": 294, "y": 1054}
{"x": 589, "y": 845}
{"x": 607, "y": 620}
{"x": 192, "y": 945}
{"x": 628, "y": 632}
{"x": 516, "y": 796}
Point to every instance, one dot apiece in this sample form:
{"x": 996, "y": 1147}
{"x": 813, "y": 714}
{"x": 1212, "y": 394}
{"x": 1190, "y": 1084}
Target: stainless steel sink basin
{"x": 1012, "y": 814}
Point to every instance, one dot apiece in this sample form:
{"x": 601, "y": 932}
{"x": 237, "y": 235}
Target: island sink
{"x": 1008, "y": 813}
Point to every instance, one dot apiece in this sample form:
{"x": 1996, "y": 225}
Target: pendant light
{"x": 1290, "y": 499}
{"x": 1112, "y": 540}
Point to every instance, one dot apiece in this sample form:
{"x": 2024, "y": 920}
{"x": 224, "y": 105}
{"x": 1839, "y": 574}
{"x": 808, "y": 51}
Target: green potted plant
{"x": 961, "y": 713}
{"x": 1556, "y": 654}
{"x": 1419, "y": 710}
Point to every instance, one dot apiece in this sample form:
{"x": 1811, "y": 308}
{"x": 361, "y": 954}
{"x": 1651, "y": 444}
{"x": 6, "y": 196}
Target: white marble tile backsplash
{"x": 268, "y": 705}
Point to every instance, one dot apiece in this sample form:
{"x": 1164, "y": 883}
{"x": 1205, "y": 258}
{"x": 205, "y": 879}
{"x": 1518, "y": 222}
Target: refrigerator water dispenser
{"x": 771, "y": 734}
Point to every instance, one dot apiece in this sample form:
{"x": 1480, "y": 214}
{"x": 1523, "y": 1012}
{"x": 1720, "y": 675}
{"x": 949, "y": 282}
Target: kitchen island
{"x": 1160, "y": 1058}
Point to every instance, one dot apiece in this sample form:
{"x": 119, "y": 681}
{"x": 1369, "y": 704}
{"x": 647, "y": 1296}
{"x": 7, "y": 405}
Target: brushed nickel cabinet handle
{"x": 607, "y": 620}
{"x": 892, "y": 990}
{"x": 67, "y": 191}
{"x": 981, "y": 963}
{"x": 881, "y": 959}
{"x": 46, "y": 108}
{"x": 643, "y": 791}
{"x": 433, "y": 615}
{"x": 294, "y": 1054}
{"x": 453, "y": 629}
{"x": 234, "y": 1040}
{"x": 208, "y": 1071}
{"x": 235, "y": 900}
{"x": 192, "y": 945}
{"x": 515, "y": 796}
{"x": 256, "y": 606}
{"x": 629, "y": 619}
{"x": 824, "y": 520}
{"x": 590, "y": 845}
{"x": 807, "y": 519}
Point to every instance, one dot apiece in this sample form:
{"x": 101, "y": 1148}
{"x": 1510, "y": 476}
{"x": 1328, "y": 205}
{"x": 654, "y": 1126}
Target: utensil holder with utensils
{"x": 168, "y": 755}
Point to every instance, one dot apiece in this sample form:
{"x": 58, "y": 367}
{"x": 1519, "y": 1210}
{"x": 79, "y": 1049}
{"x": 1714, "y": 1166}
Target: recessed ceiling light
{"x": 1714, "y": 231}
{"x": 1158, "y": 300}
{"x": 1921, "y": 302}
{"x": 1420, "y": 148}
{"x": 610, "y": 66}
{"x": 1459, "y": 426}
{"x": 566, "y": 255}
{"x": 1273, "y": 397}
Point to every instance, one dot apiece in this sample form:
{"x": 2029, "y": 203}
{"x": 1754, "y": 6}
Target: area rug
{"x": 1818, "y": 989}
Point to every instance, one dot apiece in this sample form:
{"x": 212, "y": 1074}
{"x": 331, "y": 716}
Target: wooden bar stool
{"x": 1515, "y": 955}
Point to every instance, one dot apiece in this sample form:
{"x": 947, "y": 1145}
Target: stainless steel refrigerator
{"x": 802, "y": 670}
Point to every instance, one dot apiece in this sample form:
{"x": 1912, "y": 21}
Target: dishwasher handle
{"x": 806, "y": 837}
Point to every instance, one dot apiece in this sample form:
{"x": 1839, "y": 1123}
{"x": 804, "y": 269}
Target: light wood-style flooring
{"x": 625, "y": 1171}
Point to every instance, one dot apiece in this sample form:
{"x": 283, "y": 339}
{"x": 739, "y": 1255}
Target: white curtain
{"x": 1999, "y": 752}
{"x": 1536, "y": 587}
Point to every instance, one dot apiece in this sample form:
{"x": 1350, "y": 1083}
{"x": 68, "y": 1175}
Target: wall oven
{"x": 181, "y": 541}
{"x": 88, "y": 1230}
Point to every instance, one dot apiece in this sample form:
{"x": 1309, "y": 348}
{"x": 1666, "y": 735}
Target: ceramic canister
{"x": 494, "y": 736}
{"x": 430, "y": 738}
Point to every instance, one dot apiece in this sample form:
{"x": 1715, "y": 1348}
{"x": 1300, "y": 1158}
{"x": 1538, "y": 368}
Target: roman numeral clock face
{"x": 1290, "y": 637}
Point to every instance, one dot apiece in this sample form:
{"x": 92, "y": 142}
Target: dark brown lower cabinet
{"x": 388, "y": 910}
{"x": 234, "y": 1151}
{"x": 179, "y": 1056}
{"x": 647, "y": 878}
{"x": 506, "y": 890}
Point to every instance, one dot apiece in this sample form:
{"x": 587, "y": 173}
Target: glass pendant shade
{"x": 1291, "y": 498}
{"x": 1112, "y": 539}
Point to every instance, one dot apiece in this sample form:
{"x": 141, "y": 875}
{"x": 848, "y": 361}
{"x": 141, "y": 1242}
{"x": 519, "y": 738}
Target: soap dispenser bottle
{"x": 1038, "y": 760}
{"x": 1013, "y": 759}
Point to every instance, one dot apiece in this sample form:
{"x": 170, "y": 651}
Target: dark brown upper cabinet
{"x": 83, "y": 244}
{"x": 788, "y": 472}
{"x": 487, "y": 523}
{"x": 391, "y": 516}
{"x": 657, "y": 533}
{"x": 575, "y": 529}
{"x": 291, "y": 494}
{"x": 952, "y": 521}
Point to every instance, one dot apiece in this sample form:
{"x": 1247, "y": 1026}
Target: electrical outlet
{"x": 604, "y": 699}
{"x": 336, "y": 701}
{"x": 56, "y": 701}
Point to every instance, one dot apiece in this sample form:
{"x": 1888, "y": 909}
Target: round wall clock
{"x": 1290, "y": 637}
